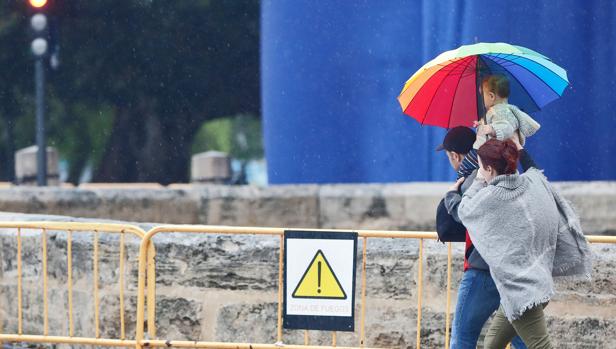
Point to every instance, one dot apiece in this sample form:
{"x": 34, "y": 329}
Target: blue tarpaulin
{"x": 331, "y": 72}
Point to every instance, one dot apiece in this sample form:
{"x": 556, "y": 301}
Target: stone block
{"x": 345, "y": 206}
{"x": 26, "y": 166}
{"x": 595, "y": 203}
{"x": 280, "y": 206}
{"x": 388, "y": 326}
{"x": 210, "y": 167}
{"x": 217, "y": 262}
{"x": 379, "y": 206}
{"x": 178, "y": 318}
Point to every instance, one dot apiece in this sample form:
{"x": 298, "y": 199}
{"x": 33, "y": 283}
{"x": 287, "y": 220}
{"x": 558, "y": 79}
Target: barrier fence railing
{"x": 196, "y": 229}
{"x": 146, "y": 284}
{"x": 70, "y": 228}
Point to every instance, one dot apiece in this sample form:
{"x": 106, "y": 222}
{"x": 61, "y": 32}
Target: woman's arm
{"x": 452, "y": 199}
{"x": 472, "y": 198}
{"x": 478, "y": 183}
{"x": 526, "y": 160}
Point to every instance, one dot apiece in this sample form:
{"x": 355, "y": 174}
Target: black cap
{"x": 459, "y": 139}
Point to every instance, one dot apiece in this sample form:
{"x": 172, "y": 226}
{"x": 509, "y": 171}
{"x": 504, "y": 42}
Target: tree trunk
{"x": 78, "y": 159}
{"x": 142, "y": 149}
{"x": 77, "y": 165}
{"x": 8, "y": 172}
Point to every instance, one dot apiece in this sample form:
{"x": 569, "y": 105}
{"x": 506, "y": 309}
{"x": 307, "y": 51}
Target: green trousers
{"x": 531, "y": 327}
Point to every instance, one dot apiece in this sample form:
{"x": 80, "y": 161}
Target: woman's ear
{"x": 490, "y": 170}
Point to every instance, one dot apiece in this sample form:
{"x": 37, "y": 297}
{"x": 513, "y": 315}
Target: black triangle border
{"x": 306, "y": 272}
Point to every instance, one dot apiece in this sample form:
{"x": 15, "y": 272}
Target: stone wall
{"x": 363, "y": 206}
{"x": 223, "y": 288}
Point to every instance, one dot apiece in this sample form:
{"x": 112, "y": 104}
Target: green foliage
{"x": 239, "y": 136}
{"x": 213, "y": 135}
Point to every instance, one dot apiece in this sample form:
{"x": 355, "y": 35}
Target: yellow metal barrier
{"x": 146, "y": 290}
{"x": 69, "y": 228}
{"x": 203, "y": 229}
{"x": 144, "y": 260}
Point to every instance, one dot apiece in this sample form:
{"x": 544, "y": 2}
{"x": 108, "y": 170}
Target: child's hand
{"x": 478, "y": 123}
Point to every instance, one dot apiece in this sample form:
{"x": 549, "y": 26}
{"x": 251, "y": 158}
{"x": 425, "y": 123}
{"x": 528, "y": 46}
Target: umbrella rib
{"x": 412, "y": 99}
{"x": 458, "y": 63}
{"x": 454, "y": 97}
{"x": 527, "y": 56}
{"x": 522, "y": 85}
{"x": 528, "y": 70}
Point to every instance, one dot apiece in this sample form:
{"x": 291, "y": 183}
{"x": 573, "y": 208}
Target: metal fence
{"x": 70, "y": 228}
{"x": 146, "y": 284}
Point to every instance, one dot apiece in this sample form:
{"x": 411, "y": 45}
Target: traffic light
{"x": 40, "y": 28}
{"x": 44, "y": 29}
{"x": 38, "y": 3}
{"x": 38, "y": 22}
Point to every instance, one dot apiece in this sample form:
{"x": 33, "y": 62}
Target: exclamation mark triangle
{"x": 319, "y": 281}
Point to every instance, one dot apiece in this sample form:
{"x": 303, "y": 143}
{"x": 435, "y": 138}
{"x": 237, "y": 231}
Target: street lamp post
{"x": 39, "y": 49}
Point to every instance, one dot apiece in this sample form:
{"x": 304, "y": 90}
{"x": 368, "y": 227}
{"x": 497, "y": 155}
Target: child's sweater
{"x": 506, "y": 120}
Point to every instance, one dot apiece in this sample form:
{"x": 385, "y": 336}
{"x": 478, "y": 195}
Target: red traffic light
{"x": 37, "y": 3}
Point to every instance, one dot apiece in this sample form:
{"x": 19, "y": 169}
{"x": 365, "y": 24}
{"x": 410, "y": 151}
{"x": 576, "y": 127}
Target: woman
{"x": 527, "y": 233}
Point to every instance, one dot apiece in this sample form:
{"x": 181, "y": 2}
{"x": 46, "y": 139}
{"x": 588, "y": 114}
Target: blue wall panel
{"x": 332, "y": 70}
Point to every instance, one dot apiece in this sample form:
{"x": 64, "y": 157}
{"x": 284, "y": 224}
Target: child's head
{"x": 495, "y": 88}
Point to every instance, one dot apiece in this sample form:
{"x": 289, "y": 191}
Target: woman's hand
{"x": 516, "y": 140}
{"x": 456, "y": 185}
{"x": 480, "y": 177}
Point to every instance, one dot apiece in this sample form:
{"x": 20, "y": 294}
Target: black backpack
{"x": 447, "y": 228}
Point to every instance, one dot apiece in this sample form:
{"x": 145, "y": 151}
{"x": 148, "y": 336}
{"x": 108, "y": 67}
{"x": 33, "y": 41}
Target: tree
{"x": 15, "y": 91}
{"x": 141, "y": 76}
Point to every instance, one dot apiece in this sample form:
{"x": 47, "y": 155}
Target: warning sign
{"x": 319, "y": 280}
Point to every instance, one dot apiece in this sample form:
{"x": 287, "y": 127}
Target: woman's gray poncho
{"x": 527, "y": 233}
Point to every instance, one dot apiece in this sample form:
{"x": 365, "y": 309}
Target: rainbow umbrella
{"x": 445, "y": 91}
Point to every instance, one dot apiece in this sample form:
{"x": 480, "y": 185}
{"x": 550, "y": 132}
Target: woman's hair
{"x": 498, "y": 84}
{"x": 501, "y": 155}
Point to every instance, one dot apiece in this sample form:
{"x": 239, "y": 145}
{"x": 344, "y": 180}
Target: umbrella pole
{"x": 481, "y": 109}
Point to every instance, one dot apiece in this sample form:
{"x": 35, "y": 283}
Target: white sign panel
{"x": 319, "y": 280}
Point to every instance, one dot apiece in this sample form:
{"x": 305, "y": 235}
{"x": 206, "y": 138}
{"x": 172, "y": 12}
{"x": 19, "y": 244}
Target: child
{"x": 503, "y": 120}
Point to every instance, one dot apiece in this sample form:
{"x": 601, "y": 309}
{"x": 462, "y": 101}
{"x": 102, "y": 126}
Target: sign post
{"x": 319, "y": 280}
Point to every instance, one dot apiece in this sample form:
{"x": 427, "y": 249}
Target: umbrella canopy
{"x": 445, "y": 92}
